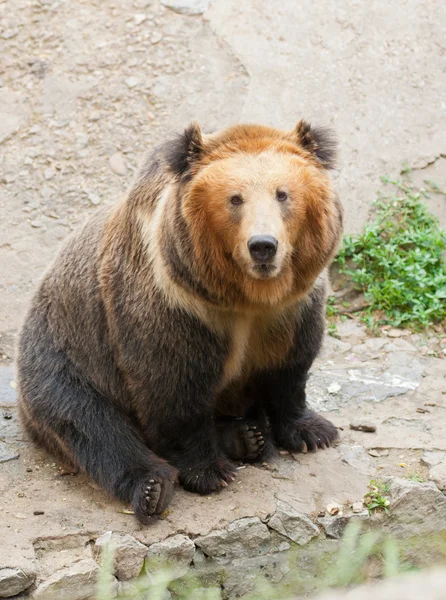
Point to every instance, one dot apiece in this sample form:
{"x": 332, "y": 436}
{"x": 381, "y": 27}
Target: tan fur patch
{"x": 176, "y": 295}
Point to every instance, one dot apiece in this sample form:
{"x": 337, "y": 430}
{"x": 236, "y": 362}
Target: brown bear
{"x": 175, "y": 331}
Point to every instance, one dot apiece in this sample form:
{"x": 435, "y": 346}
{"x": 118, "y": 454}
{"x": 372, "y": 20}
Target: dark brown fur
{"x": 151, "y": 324}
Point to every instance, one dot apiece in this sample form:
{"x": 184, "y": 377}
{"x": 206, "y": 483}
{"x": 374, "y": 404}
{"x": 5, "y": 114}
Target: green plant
{"x": 332, "y": 313}
{"x": 376, "y": 499}
{"x": 398, "y": 261}
{"x": 416, "y": 477}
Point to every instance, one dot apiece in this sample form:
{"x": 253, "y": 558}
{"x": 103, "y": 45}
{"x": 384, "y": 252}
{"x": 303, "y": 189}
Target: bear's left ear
{"x": 319, "y": 141}
{"x": 185, "y": 150}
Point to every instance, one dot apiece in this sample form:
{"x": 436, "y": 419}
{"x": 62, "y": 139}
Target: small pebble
{"x": 117, "y": 164}
{"x": 363, "y": 426}
{"x": 139, "y": 18}
{"x": 49, "y": 173}
{"x": 357, "y": 507}
{"x": 334, "y": 388}
{"x": 334, "y": 508}
{"x": 156, "y": 37}
{"x": 132, "y": 82}
{"x": 29, "y": 470}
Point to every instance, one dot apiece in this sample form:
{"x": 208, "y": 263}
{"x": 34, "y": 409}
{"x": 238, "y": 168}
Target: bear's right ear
{"x": 185, "y": 150}
{"x": 319, "y": 141}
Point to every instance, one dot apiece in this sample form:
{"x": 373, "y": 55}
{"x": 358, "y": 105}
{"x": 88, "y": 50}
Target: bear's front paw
{"x": 309, "y": 432}
{"x": 153, "y": 494}
{"x": 207, "y": 479}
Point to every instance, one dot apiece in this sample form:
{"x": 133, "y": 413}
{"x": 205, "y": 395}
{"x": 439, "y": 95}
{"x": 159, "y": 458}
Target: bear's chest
{"x": 255, "y": 343}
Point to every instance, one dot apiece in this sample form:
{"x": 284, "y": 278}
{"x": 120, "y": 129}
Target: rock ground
{"x": 85, "y": 89}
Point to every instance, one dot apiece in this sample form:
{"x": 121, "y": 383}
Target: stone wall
{"x": 233, "y": 558}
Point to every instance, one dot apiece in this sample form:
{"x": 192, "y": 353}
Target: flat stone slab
{"x": 330, "y": 388}
{"x": 8, "y": 394}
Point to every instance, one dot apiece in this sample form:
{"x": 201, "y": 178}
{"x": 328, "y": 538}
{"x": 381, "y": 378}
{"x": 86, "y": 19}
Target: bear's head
{"x": 259, "y": 214}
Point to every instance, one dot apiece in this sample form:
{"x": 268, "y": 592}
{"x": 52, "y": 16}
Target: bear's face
{"x": 256, "y": 207}
{"x": 261, "y": 212}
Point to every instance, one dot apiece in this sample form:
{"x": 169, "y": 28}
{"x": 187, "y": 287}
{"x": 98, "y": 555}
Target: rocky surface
{"x": 85, "y": 90}
{"x": 128, "y": 554}
{"x": 13, "y": 581}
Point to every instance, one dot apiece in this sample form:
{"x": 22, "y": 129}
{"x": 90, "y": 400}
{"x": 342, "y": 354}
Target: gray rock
{"x": 8, "y": 394}
{"x": 199, "y": 558}
{"x": 292, "y": 524}
{"x": 400, "y": 345}
{"x": 243, "y": 574}
{"x": 246, "y": 537}
{"x": 334, "y": 527}
{"x": 177, "y": 552}
{"x": 405, "y": 422}
{"x": 351, "y": 330}
{"x": 415, "y": 508}
{"x": 14, "y": 581}
{"x": 117, "y": 164}
{"x": 373, "y": 344}
{"x": 438, "y": 475}
{"x": 187, "y": 7}
{"x": 356, "y": 457}
{"x": 357, "y": 385}
{"x": 431, "y": 459}
{"x": 129, "y": 554}
{"x": 74, "y": 583}
{"x": 7, "y": 453}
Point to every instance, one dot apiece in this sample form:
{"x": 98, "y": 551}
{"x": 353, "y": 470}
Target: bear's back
{"x": 70, "y": 296}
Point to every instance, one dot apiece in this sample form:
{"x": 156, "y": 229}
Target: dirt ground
{"x": 86, "y": 88}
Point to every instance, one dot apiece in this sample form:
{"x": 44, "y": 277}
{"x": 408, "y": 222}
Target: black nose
{"x": 262, "y": 247}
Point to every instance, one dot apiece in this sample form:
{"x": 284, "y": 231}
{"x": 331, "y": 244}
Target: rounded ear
{"x": 319, "y": 141}
{"x": 185, "y": 150}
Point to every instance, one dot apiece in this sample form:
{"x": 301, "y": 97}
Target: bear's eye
{"x": 236, "y": 200}
{"x": 281, "y": 196}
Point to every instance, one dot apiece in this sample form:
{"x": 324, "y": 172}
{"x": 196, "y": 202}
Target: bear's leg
{"x": 295, "y": 427}
{"x": 193, "y": 448}
{"x": 68, "y": 417}
{"x": 241, "y": 439}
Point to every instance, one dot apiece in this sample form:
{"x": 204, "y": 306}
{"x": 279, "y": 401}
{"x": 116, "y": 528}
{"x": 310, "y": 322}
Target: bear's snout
{"x": 262, "y": 247}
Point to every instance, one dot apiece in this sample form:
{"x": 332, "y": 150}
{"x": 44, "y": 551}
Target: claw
{"x": 223, "y": 484}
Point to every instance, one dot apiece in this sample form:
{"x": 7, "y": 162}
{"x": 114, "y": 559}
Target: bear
{"x": 173, "y": 334}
